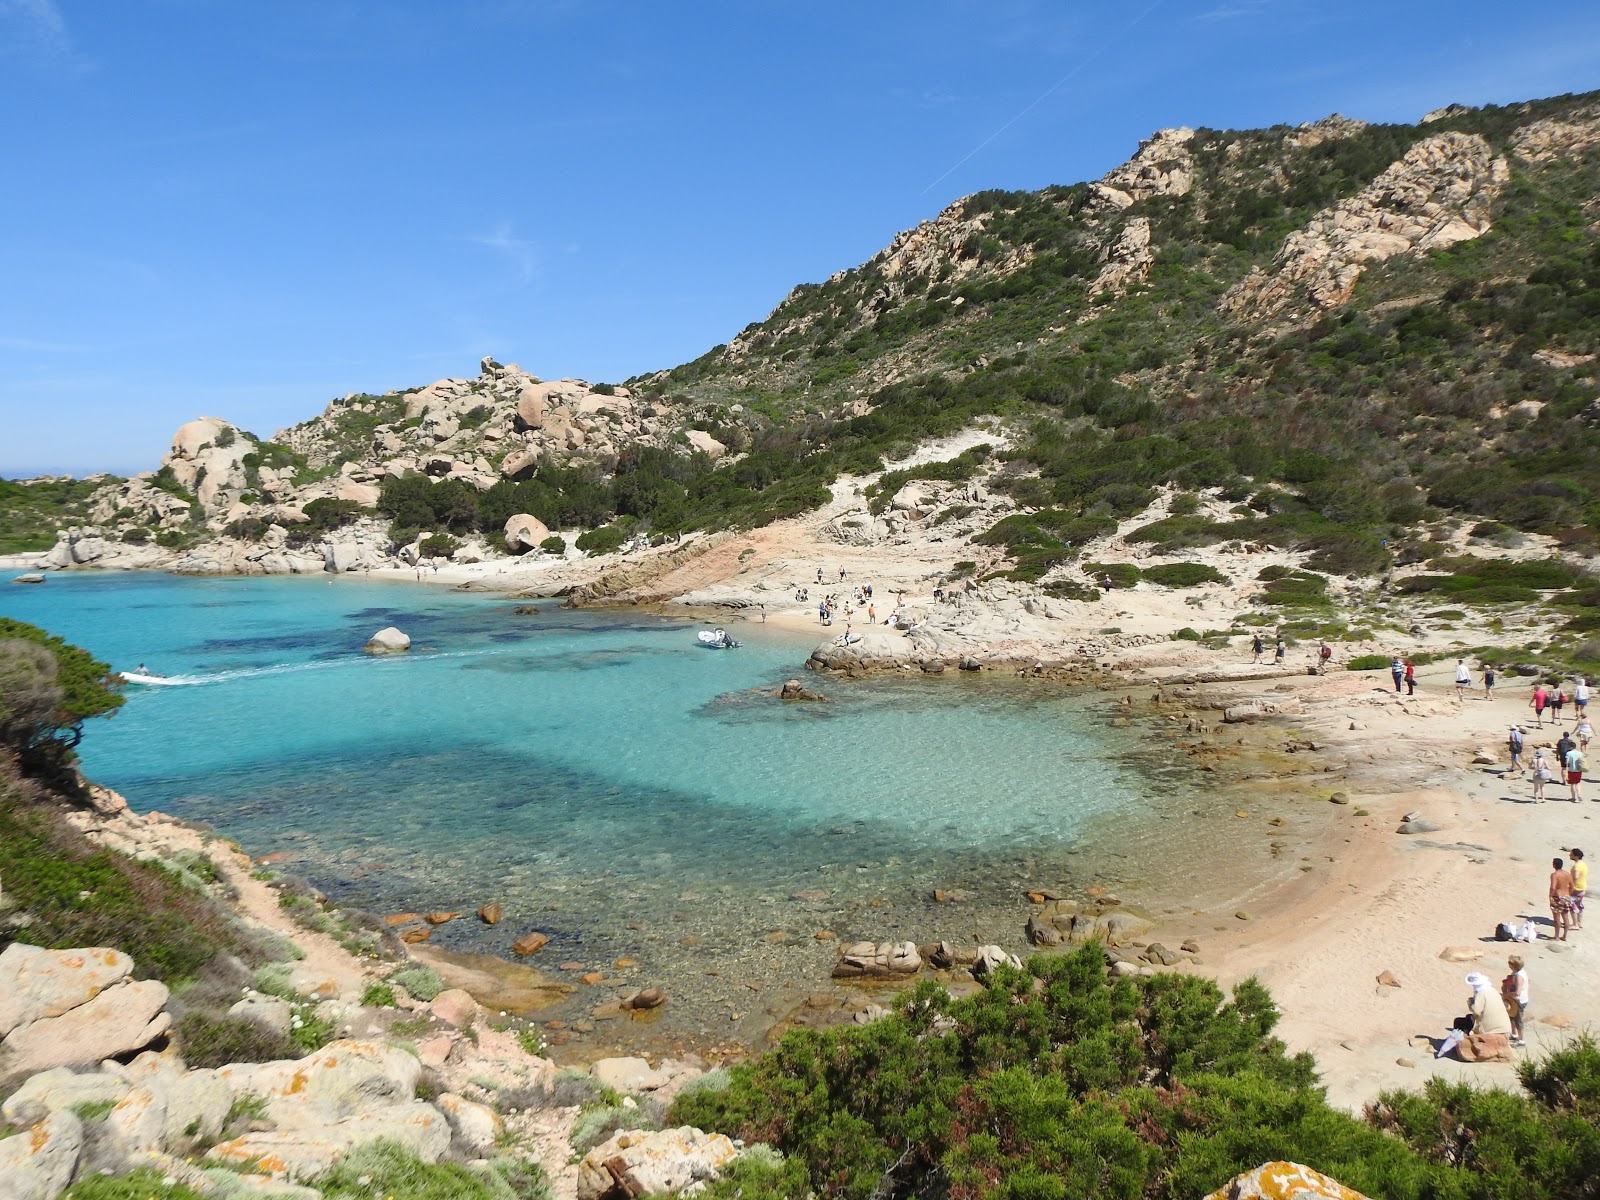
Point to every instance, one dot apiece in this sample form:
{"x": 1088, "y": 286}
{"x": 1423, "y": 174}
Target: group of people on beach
{"x": 1569, "y": 758}
{"x": 860, "y": 597}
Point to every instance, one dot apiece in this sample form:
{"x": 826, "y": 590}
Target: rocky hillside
{"x": 1342, "y": 330}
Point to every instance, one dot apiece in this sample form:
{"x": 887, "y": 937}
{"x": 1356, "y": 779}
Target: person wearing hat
{"x": 1514, "y": 741}
{"x": 1543, "y": 773}
{"x": 1489, "y": 1013}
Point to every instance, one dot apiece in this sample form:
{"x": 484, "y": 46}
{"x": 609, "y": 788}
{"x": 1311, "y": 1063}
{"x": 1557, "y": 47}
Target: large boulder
{"x": 38, "y": 1163}
{"x": 878, "y": 960}
{"x": 530, "y": 406}
{"x": 705, "y": 443}
{"x": 1284, "y": 1181}
{"x": 119, "y": 1020}
{"x": 340, "y": 1080}
{"x": 628, "y": 1076}
{"x": 36, "y": 983}
{"x": 388, "y": 641}
{"x": 172, "y": 1111}
{"x": 303, "y": 1153}
{"x": 524, "y": 533}
{"x": 638, "y": 1163}
{"x": 1069, "y": 921}
{"x": 364, "y": 494}
{"x": 59, "y": 1089}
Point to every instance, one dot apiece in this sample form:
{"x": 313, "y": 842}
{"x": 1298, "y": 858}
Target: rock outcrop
{"x": 60, "y": 1007}
{"x": 636, "y": 1163}
{"x": 524, "y": 533}
{"x": 1438, "y": 194}
{"x": 388, "y": 641}
{"x": 1284, "y": 1181}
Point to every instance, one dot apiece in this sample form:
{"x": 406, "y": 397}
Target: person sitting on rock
{"x": 1487, "y": 1025}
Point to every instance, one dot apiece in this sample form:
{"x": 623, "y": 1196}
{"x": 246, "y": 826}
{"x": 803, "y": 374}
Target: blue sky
{"x": 243, "y": 209}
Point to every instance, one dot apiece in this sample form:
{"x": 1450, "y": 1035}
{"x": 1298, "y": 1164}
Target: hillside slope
{"x": 1343, "y": 330}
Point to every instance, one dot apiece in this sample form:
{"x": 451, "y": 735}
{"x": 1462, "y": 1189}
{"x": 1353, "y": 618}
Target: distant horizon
{"x": 266, "y": 229}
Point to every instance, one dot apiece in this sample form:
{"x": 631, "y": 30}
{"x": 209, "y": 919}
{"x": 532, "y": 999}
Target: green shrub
{"x": 378, "y": 995}
{"x": 604, "y": 540}
{"x": 554, "y": 544}
{"x": 422, "y": 982}
{"x": 1367, "y": 662}
{"x": 388, "y": 1169}
{"x": 1113, "y": 575}
{"x": 76, "y": 893}
{"x": 595, "y": 1125}
{"x": 1184, "y": 575}
{"x": 208, "y": 1041}
{"x": 438, "y": 545}
{"x": 1186, "y": 635}
{"x": 143, "y": 1184}
{"x": 137, "y": 536}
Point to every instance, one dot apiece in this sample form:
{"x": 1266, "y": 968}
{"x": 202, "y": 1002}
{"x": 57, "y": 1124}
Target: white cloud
{"x": 523, "y": 254}
{"x": 36, "y": 32}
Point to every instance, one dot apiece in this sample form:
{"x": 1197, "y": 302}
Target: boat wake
{"x": 329, "y": 664}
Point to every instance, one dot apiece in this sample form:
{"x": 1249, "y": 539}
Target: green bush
{"x": 422, "y": 982}
{"x": 438, "y": 545}
{"x": 1056, "y": 1081}
{"x": 1187, "y": 635}
{"x": 1113, "y": 575}
{"x": 1184, "y": 575}
{"x": 1368, "y": 662}
{"x": 595, "y": 1125}
{"x": 378, "y": 995}
{"x": 554, "y": 544}
{"x": 76, "y": 893}
{"x": 604, "y": 540}
{"x": 208, "y": 1041}
{"x": 143, "y": 1184}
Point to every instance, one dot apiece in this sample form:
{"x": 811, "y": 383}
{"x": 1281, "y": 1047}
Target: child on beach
{"x": 1514, "y": 991}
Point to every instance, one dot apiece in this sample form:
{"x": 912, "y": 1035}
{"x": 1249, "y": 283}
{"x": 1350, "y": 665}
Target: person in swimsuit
{"x": 1560, "y": 898}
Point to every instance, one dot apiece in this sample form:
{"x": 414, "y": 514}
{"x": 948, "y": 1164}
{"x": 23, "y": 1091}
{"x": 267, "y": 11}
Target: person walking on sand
{"x": 1398, "y": 670}
{"x": 1514, "y": 991}
{"x": 1580, "y": 699}
{"x": 1584, "y": 732}
{"x": 1542, "y": 774}
{"x": 1580, "y": 886}
{"x": 1575, "y": 764}
{"x": 1488, "y": 681}
{"x": 1560, "y": 898}
{"x": 1515, "y": 743}
{"x": 1540, "y": 699}
{"x": 1256, "y": 646}
{"x": 872, "y": 614}
{"x": 1411, "y": 678}
{"x": 1324, "y": 654}
{"x": 1277, "y": 655}
{"x": 1463, "y": 679}
{"x": 1558, "y": 701}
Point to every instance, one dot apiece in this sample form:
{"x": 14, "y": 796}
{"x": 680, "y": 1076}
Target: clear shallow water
{"x": 590, "y": 770}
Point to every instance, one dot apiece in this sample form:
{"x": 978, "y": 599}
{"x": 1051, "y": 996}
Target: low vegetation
{"x": 1057, "y": 1082}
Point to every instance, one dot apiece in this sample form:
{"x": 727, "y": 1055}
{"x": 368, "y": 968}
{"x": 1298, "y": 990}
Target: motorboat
{"x": 718, "y": 639}
{"x": 148, "y": 680}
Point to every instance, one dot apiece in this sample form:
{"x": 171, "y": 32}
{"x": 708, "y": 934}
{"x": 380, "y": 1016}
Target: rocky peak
{"x": 1551, "y": 138}
{"x": 1330, "y": 128}
{"x": 1438, "y": 194}
{"x": 1162, "y": 166}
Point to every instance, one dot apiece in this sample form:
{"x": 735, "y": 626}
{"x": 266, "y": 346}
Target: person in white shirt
{"x": 1463, "y": 679}
{"x": 1580, "y": 698}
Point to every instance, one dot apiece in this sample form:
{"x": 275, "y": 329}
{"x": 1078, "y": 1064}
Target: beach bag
{"x": 1503, "y": 932}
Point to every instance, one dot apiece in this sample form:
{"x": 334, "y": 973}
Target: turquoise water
{"x": 591, "y": 770}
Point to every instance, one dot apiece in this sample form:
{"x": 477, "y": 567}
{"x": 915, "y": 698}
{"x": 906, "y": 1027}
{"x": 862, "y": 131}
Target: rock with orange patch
{"x": 413, "y": 936}
{"x": 591, "y": 977}
{"x": 1284, "y": 1181}
{"x": 439, "y": 918}
{"x": 52, "y": 1091}
{"x": 38, "y": 1163}
{"x": 639, "y": 1163}
{"x": 476, "y": 1126}
{"x": 307, "y": 1152}
{"x": 36, "y": 984}
{"x": 490, "y": 914}
{"x": 340, "y": 1080}
{"x": 117, "y": 1021}
{"x": 397, "y": 919}
{"x": 173, "y": 1111}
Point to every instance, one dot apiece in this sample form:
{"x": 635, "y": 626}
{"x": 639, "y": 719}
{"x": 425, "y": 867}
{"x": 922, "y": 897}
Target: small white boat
{"x": 149, "y": 680}
{"x": 717, "y": 639}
